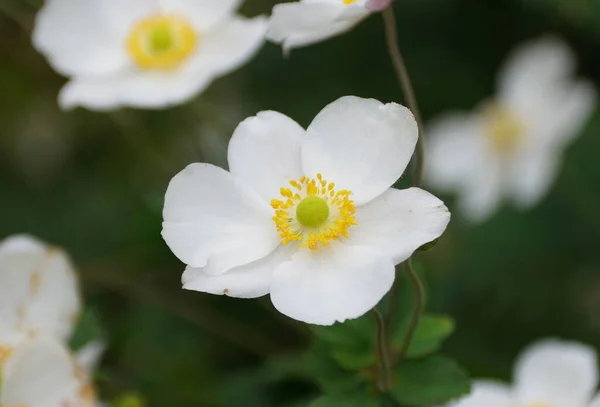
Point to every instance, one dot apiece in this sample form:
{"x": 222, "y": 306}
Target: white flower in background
{"x": 309, "y": 21}
{"x": 305, "y": 215}
{"x": 42, "y": 373}
{"x": 39, "y": 293}
{"x": 143, "y": 53}
{"x": 550, "y": 373}
{"x": 510, "y": 147}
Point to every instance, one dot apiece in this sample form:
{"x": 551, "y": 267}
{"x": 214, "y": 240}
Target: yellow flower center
{"x": 505, "y": 129}
{"x": 161, "y": 42}
{"x": 313, "y": 213}
{"x": 348, "y": 2}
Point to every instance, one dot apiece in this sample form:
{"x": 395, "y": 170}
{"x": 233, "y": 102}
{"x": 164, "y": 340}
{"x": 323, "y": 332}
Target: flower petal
{"x": 251, "y": 280}
{"x": 88, "y": 357}
{"x": 398, "y": 222}
{"x": 39, "y": 293}
{"x": 486, "y": 394}
{"x": 333, "y": 284}
{"x": 42, "y": 373}
{"x": 229, "y": 45}
{"x": 303, "y": 23}
{"x": 596, "y": 401}
{"x": 204, "y": 14}
{"x": 213, "y": 220}
{"x": 556, "y": 372}
{"x": 132, "y": 88}
{"x": 91, "y": 43}
{"x": 361, "y": 145}
{"x": 265, "y": 152}
{"x": 532, "y": 175}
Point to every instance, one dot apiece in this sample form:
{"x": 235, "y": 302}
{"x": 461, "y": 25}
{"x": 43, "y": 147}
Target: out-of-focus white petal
{"x": 298, "y": 24}
{"x": 530, "y": 176}
{"x": 204, "y": 14}
{"x": 229, "y": 45}
{"x": 39, "y": 293}
{"x": 248, "y": 281}
{"x": 214, "y": 220}
{"x": 399, "y": 222}
{"x": 556, "y": 373}
{"x": 361, "y": 145}
{"x": 331, "y": 284}
{"x": 265, "y": 152}
{"x": 131, "y": 88}
{"x": 596, "y": 401}
{"x": 88, "y": 357}
{"x": 482, "y": 194}
{"x": 41, "y": 373}
{"x": 486, "y": 394}
{"x": 532, "y": 67}
{"x": 87, "y": 37}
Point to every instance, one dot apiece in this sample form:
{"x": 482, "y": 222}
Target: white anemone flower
{"x": 143, "y": 53}
{"x": 308, "y": 216}
{"x": 550, "y": 373}
{"x": 39, "y": 292}
{"x": 42, "y": 373}
{"x": 307, "y": 22}
{"x": 510, "y": 147}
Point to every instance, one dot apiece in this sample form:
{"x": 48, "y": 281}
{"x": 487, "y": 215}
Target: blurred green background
{"x": 94, "y": 183}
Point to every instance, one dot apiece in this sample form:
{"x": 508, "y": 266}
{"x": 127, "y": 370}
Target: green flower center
{"x": 312, "y": 212}
{"x": 161, "y": 39}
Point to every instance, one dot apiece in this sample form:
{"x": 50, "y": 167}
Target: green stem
{"x": 383, "y": 355}
{"x": 418, "y": 310}
{"x": 391, "y": 35}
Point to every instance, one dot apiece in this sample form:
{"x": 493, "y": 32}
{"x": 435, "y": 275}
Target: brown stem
{"x": 416, "y": 316}
{"x": 391, "y": 35}
{"x": 383, "y": 356}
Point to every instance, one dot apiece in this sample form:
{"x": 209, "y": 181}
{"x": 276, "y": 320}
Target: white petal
{"x": 132, "y": 88}
{"x": 39, "y": 292}
{"x": 556, "y": 372}
{"x": 265, "y": 152}
{"x": 532, "y": 67}
{"x": 303, "y": 23}
{"x": 230, "y": 45}
{"x": 41, "y": 373}
{"x": 398, "y": 222}
{"x": 86, "y": 37}
{"x": 532, "y": 175}
{"x": 252, "y": 280}
{"x": 332, "y": 284}
{"x": 361, "y": 145}
{"x": 458, "y": 159}
{"x": 88, "y": 357}
{"x": 212, "y": 219}
{"x": 596, "y": 401}
{"x": 204, "y": 14}
{"x": 486, "y": 394}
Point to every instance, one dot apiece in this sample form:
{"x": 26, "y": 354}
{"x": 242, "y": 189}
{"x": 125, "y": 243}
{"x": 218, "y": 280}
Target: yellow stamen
{"x": 315, "y": 215}
{"x": 161, "y": 42}
{"x": 505, "y": 129}
{"x": 348, "y": 2}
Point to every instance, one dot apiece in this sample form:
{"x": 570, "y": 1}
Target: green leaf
{"x": 429, "y": 381}
{"x": 351, "y": 344}
{"x": 331, "y": 377}
{"x": 357, "y": 398}
{"x": 88, "y": 329}
{"x": 429, "y": 335}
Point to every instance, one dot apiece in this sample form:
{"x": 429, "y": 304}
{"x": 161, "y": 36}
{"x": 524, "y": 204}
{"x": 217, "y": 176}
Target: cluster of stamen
{"x": 313, "y": 213}
{"x": 504, "y": 128}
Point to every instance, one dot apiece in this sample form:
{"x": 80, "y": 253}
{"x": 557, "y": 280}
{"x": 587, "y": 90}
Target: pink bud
{"x": 377, "y": 5}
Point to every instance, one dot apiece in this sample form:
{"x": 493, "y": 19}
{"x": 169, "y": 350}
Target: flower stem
{"x": 383, "y": 383}
{"x": 391, "y": 35}
{"x": 416, "y": 316}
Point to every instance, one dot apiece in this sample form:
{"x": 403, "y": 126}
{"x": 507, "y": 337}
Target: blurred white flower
{"x": 39, "y": 293}
{"x": 550, "y": 373}
{"x": 42, "y": 373}
{"x": 306, "y": 22}
{"x": 510, "y": 148}
{"x": 305, "y": 215}
{"x": 143, "y": 53}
